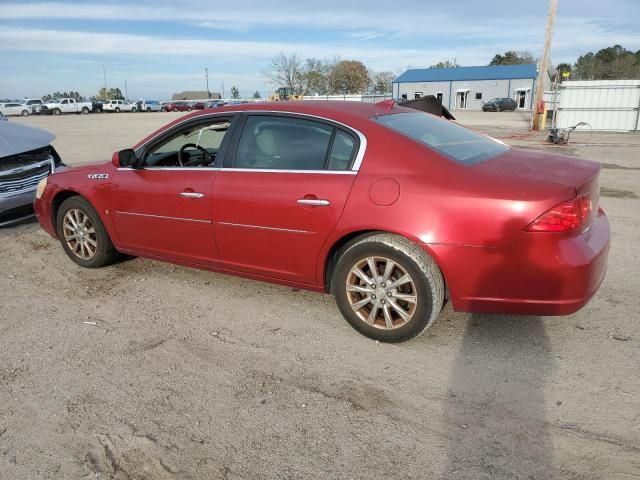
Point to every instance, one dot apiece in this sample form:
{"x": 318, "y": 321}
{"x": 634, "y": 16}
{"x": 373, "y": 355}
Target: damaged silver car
{"x": 26, "y": 157}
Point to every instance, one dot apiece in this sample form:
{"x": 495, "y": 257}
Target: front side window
{"x": 451, "y": 140}
{"x": 283, "y": 143}
{"x": 195, "y": 146}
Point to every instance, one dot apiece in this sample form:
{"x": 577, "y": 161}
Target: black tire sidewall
{"x": 104, "y": 253}
{"x": 424, "y": 308}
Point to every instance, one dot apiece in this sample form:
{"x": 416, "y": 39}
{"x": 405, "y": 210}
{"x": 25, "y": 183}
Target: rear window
{"x": 453, "y": 141}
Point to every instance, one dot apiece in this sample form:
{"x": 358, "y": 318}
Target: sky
{"x": 159, "y": 47}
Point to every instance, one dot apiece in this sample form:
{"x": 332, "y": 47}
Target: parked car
{"x": 499, "y": 105}
{"x": 26, "y": 157}
{"x": 177, "y": 107}
{"x": 198, "y": 106}
{"x": 113, "y": 105}
{"x": 8, "y": 109}
{"x": 149, "y": 106}
{"x": 34, "y": 105}
{"x": 390, "y": 209}
{"x": 65, "y": 105}
{"x": 97, "y": 106}
{"x": 215, "y": 104}
{"x": 129, "y": 107}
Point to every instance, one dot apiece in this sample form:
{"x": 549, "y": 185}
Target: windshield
{"x": 451, "y": 140}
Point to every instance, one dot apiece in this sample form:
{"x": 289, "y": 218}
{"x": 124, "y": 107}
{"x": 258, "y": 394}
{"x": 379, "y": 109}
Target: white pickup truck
{"x": 65, "y": 105}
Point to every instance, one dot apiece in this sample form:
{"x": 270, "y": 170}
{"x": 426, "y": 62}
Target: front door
{"x": 163, "y": 207}
{"x": 279, "y": 200}
{"x": 462, "y": 100}
{"x": 522, "y": 99}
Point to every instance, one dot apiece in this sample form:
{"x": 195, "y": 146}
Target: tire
{"x": 134, "y": 109}
{"x": 104, "y": 252}
{"x": 424, "y": 291}
{"x": 85, "y": 110}
{"x": 56, "y": 111}
{"x": 117, "y": 110}
{"x": 148, "y": 109}
{"x": 24, "y": 113}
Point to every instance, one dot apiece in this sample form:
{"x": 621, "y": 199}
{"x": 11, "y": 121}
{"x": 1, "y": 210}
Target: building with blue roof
{"x": 467, "y": 88}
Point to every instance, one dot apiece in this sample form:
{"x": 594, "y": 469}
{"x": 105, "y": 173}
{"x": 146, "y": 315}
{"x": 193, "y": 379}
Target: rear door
{"x": 281, "y": 194}
{"x": 163, "y": 208}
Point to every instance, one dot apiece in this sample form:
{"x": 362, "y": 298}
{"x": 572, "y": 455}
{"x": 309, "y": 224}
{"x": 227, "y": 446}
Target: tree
{"x": 614, "y": 62}
{"x": 563, "y": 68}
{"x": 381, "y": 82}
{"x": 349, "y": 77}
{"x": 70, "y": 94}
{"x": 512, "y": 57}
{"x": 256, "y": 95}
{"x": 111, "y": 94}
{"x": 315, "y": 77}
{"x": 234, "y": 92}
{"x": 446, "y": 64}
{"x": 286, "y": 71}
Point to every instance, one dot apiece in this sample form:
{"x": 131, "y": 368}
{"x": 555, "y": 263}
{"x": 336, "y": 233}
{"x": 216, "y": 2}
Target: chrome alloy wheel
{"x": 79, "y": 234}
{"x": 381, "y": 292}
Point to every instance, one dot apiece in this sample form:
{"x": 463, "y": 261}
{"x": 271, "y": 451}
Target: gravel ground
{"x": 145, "y": 370}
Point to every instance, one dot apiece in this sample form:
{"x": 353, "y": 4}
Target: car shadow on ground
{"x": 495, "y": 412}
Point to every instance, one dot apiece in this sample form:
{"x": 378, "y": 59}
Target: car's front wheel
{"x": 388, "y": 288}
{"x": 25, "y": 113}
{"x": 82, "y": 234}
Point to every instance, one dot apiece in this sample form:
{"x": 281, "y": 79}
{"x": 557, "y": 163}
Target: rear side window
{"x": 453, "y": 141}
{"x": 342, "y": 151}
{"x": 283, "y": 143}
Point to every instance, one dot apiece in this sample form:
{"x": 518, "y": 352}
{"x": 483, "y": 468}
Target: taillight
{"x": 565, "y": 217}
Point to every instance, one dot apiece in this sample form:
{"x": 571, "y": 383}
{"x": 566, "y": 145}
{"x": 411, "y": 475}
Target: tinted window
{"x": 342, "y": 151}
{"x": 456, "y": 142}
{"x": 283, "y": 143}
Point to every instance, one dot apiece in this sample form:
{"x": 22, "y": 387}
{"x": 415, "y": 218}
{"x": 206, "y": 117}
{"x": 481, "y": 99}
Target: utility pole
{"x": 106, "y": 91}
{"x": 126, "y": 93}
{"x": 222, "y": 84}
{"x": 206, "y": 76}
{"x": 544, "y": 62}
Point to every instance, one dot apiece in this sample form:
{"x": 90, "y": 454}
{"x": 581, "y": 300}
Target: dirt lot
{"x": 146, "y": 370}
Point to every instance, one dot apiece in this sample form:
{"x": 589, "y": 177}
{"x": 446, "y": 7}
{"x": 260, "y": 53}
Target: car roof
{"x": 353, "y": 114}
{"x": 331, "y": 109}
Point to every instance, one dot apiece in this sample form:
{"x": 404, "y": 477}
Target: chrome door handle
{"x": 314, "y": 202}
{"x": 191, "y": 195}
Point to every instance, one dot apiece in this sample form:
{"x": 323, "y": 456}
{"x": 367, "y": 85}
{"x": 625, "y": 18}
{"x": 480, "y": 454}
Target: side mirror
{"x": 125, "y": 158}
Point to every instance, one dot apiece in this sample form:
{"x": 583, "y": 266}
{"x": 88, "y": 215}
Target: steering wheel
{"x": 193, "y": 145}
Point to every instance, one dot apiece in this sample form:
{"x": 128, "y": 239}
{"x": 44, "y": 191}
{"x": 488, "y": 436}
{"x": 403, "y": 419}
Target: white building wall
{"x": 603, "y": 104}
{"x": 487, "y": 88}
{"x": 423, "y": 88}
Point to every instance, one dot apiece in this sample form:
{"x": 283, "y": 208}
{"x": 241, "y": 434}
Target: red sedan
{"x": 177, "y": 107}
{"x": 393, "y": 211}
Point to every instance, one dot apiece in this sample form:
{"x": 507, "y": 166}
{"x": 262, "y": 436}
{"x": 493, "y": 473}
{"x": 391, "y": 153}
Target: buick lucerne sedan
{"x": 392, "y": 211}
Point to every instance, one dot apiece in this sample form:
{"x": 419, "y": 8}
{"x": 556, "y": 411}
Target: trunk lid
{"x": 543, "y": 167}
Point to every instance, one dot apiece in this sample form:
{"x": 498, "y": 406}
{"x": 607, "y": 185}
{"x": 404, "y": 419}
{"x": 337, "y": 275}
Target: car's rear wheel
{"x": 85, "y": 110}
{"x": 388, "y": 288}
{"x": 25, "y": 113}
{"x": 82, "y": 234}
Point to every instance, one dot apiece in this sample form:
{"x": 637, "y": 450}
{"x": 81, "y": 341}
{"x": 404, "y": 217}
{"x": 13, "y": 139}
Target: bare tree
{"x": 286, "y": 71}
{"x": 381, "y": 81}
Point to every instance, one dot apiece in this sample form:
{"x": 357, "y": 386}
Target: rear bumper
{"x": 536, "y": 274}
